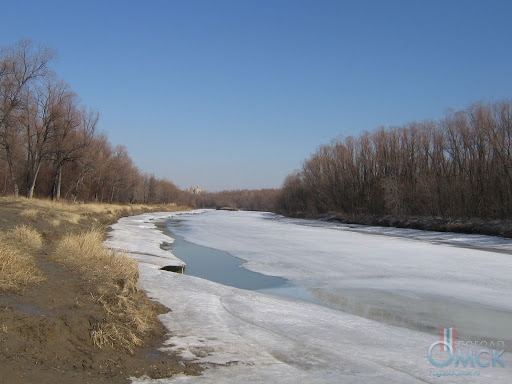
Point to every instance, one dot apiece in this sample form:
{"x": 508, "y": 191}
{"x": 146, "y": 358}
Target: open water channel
{"x": 223, "y": 268}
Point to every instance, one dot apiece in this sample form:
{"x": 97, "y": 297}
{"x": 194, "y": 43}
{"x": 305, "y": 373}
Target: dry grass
{"x": 85, "y": 250}
{"x": 24, "y": 239}
{"x": 129, "y": 312}
{"x": 30, "y": 214}
{"x": 129, "y": 316}
{"x": 112, "y": 275}
{"x": 62, "y": 212}
{"x": 18, "y": 267}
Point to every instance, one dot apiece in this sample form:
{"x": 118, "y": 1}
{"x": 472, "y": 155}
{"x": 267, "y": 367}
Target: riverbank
{"x": 76, "y": 322}
{"x": 502, "y": 228}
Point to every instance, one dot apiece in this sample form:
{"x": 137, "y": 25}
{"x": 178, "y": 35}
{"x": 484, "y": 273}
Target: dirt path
{"x": 45, "y": 332}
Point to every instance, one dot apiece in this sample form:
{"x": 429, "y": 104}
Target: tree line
{"x": 49, "y": 141}
{"x": 459, "y": 166}
{"x": 244, "y": 199}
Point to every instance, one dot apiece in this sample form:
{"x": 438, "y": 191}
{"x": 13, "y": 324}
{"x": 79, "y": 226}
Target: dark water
{"x": 219, "y": 266}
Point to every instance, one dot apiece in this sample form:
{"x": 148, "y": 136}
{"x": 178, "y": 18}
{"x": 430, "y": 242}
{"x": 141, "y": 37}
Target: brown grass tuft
{"x": 24, "y": 239}
{"x": 85, "y": 250}
{"x": 30, "y": 214}
{"x": 130, "y": 314}
{"x": 17, "y": 269}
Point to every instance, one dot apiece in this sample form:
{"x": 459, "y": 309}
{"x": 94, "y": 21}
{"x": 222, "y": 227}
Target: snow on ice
{"x": 246, "y": 336}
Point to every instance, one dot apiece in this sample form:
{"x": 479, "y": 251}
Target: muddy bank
{"x": 46, "y": 337}
{"x": 501, "y": 228}
{"x": 46, "y": 329}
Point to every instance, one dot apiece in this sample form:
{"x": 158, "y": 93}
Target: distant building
{"x": 194, "y": 190}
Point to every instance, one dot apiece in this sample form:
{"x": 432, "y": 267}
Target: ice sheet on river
{"x": 245, "y": 336}
{"x": 326, "y": 256}
{"x": 264, "y": 338}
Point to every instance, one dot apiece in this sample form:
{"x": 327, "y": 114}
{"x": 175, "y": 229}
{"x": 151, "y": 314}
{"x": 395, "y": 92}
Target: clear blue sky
{"x": 236, "y": 94}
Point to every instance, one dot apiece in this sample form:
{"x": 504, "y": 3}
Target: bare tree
{"x": 45, "y": 111}
{"x": 20, "y": 66}
{"x": 73, "y": 133}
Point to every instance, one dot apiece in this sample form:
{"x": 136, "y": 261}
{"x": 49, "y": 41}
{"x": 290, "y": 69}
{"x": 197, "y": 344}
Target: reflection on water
{"x": 372, "y": 304}
{"x": 425, "y": 313}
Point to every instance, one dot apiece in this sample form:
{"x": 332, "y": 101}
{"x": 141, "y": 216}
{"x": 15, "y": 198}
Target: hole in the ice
{"x": 174, "y": 268}
{"x": 166, "y": 245}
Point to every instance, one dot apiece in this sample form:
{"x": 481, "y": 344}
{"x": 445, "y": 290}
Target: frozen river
{"x": 381, "y": 296}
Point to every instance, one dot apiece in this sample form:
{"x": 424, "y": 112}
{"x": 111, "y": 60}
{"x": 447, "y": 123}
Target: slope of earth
{"x": 47, "y": 328}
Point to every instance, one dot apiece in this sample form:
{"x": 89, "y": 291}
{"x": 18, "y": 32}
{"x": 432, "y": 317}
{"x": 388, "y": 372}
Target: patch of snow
{"x": 140, "y": 237}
